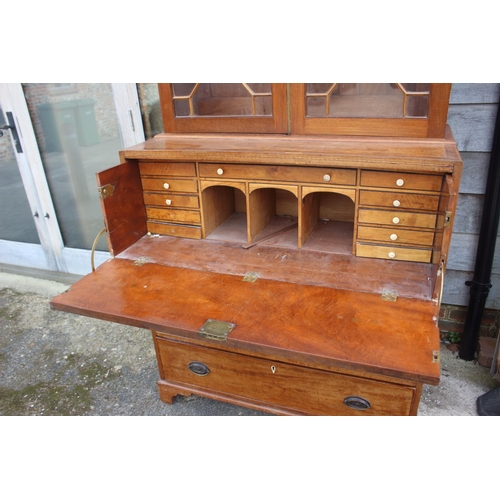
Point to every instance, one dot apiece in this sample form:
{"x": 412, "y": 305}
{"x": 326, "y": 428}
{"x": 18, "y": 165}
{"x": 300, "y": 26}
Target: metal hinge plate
{"x": 390, "y": 295}
{"x": 216, "y": 330}
{"x": 105, "y": 191}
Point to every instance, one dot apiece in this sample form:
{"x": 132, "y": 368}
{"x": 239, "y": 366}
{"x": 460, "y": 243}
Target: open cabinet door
{"x": 122, "y": 206}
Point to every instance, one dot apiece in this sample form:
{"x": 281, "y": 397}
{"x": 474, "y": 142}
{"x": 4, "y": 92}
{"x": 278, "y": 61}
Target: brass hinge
{"x": 105, "y": 191}
{"x": 216, "y": 330}
{"x": 390, "y": 295}
{"x": 447, "y": 218}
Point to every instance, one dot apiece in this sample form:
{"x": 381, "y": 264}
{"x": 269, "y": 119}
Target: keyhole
{"x": 273, "y": 369}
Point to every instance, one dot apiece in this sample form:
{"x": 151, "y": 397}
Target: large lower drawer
{"x": 298, "y": 388}
{"x": 279, "y": 173}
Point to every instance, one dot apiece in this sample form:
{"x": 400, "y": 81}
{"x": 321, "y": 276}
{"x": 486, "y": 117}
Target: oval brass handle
{"x": 198, "y": 368}
{"x": 357, "y": 403}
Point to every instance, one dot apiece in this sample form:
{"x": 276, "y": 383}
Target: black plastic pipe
{"x": 481, "y": 281}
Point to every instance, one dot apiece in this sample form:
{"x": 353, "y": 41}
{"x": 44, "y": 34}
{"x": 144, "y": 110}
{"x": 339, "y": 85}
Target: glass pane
{"x": 78, "y": 135}
{"x": 223, "y": 99}
{"x": 151, "y": 110}
{"x": 16, "y": 219}
{"x": 367, "y": 100}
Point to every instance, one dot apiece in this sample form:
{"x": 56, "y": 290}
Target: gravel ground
{"x": 54, "y": 363}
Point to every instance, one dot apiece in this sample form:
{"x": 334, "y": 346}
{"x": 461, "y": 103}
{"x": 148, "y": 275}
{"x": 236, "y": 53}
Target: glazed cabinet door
{"x": 371, "y": 109}
{"x": 259, "y": 108}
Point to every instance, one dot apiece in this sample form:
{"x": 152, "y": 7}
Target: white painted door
{"x": 49, "y": 205}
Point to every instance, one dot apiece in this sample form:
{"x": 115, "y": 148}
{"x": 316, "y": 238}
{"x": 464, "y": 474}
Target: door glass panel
{"x": 77, "y": 132}
{"x": 150, "y": 109}
{"x": 16, "y": 220}
{"x": 222, "y": 99}
{"x": 367, "y": 100}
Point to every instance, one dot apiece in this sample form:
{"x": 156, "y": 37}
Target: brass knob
{"x": 391, "y": 255}
{"x": 396, "y": 203}
{"x": 168, "y": 202}
{"x": 394, "y": 237}
{"x": 166, "y": 185}
{"x": 395, "y": 220}
{"x": 400, "y": 182}
{"x": 220, "y": 171}
{"x": 326, "y": 178}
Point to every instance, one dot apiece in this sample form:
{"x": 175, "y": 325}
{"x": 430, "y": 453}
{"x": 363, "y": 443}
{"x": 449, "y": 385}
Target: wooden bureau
{"x": 289, "y": 273}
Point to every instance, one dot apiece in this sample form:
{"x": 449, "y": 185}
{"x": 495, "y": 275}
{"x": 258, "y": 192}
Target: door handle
{"x": 12, "y": 127}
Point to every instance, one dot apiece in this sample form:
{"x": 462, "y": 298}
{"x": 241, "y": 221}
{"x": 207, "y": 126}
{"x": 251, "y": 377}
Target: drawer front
{"x": 396, "y": 235}
{"x": 167, "y": 184}
{"x": 393, "y": 253}
{"x": 172, "y": 200}
{"x": 303, "y": 389}
{"x": 174, "y": 230}
{"x": 168, "y": 169}
{"x": 398, "y": 200}
{"x": 401, "y": 180}
{"x": 173, "y": 215}
{"x": 316, "y": 175}
{"x": 394, "y": 218}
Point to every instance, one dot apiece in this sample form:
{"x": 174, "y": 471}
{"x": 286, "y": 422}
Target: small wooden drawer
{"x": 393, "y": 253}
{"x": 168, "y": 184}
{"x": 399, "y": 200}
{"x": 396, "y": 236}
{"x": 396, "y": 218}
{"x": 295, "y": 387}
{"x": 173, "y": 215}
{"x": 401, "y": 180}
{"x": 167, "y": 169}
{"x": 172, "y": 200}
{"x": 174, "y": 230}
{"x": 316, "y": 175}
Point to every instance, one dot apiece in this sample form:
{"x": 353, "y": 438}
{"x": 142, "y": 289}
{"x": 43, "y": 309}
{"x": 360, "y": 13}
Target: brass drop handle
{"x": 357, "y": 403}
{"x": 198, "y": 368}
{"x": 166, "y": 185}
